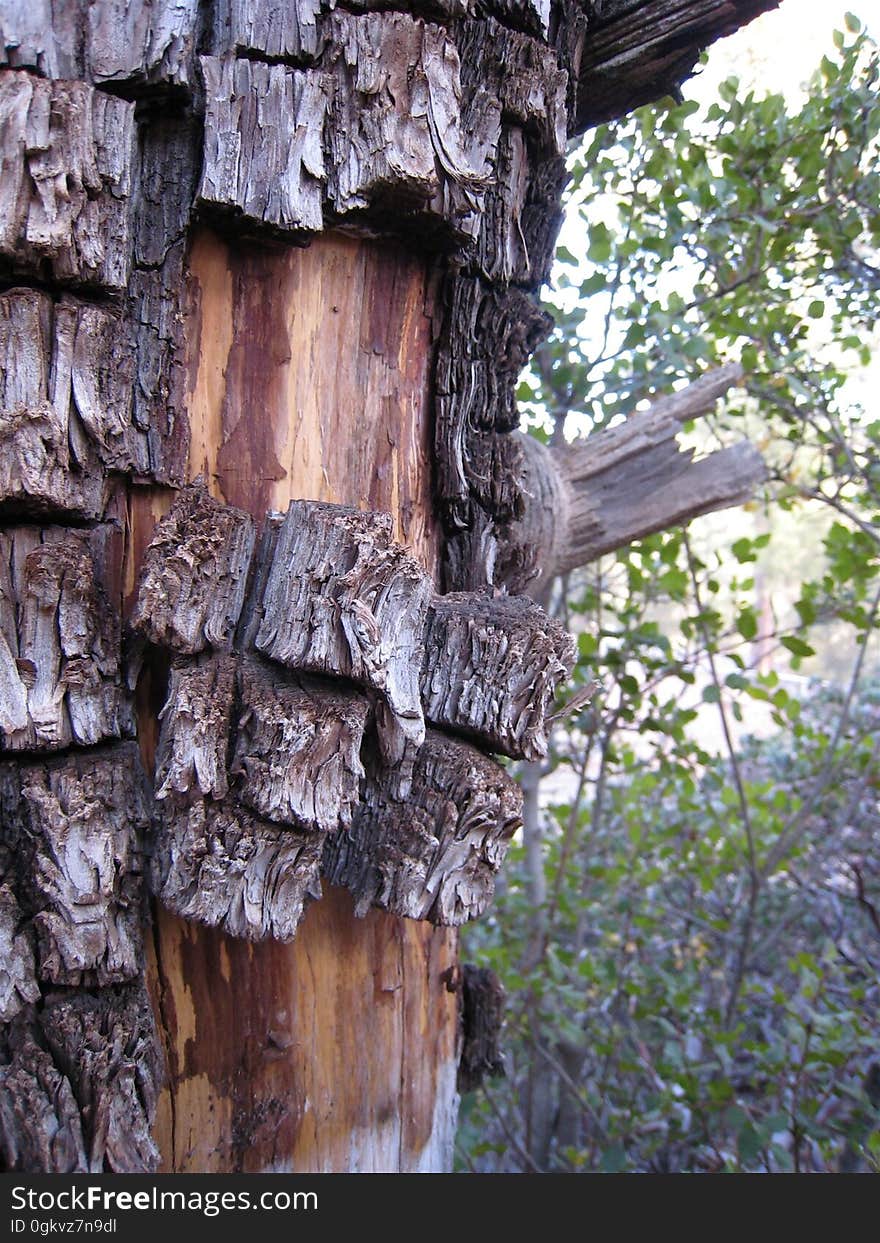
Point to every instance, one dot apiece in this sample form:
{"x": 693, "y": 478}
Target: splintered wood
{"x": 60, "y": 678}
{"x": 435, "y": 854}
{"x": 491, "y": 670}
{"x": 341, "y": 644}
{"x": 79, "y": 1084}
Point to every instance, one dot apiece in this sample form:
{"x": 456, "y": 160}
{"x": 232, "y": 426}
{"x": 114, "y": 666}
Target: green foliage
{"x": 692, "y": 969}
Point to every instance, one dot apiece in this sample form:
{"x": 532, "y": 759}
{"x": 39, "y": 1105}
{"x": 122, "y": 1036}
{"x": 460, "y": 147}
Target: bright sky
{"x": 779, "y": 50}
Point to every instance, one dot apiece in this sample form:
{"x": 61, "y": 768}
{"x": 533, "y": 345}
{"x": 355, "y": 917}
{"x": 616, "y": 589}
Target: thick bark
{"x": 482, "y": 1018}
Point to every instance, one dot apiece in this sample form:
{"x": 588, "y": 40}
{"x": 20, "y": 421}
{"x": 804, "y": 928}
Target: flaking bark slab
{"x": 297, "y": 749}
{"x": 75, "y": 827}
{"x": 107, "y": 1045}
{"x": 196, "y": 722}
{"x": 482, "y": 1018}
{"x": 491, "y": 670}
{"x": 135, "y": 47}
{"x": 60, "y": 678}
{"x": 218, "y": 864}
{"x": 194, "y": 574}
{"x": 435, "y": 854}
{"x": 67, "y": 154}
{"x": 79, "y": 1082}
{"x": 18, "y": 978}
{"x": 341, "y": 598}
{"x": 40, "y": 1123}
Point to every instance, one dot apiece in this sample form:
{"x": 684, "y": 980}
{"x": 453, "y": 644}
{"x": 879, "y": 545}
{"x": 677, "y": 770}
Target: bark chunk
{"x": 40, "y": 1126}
{"x": 196, "y": 722}
{"x": 217, "y": 864}
{"x": 76, "y": 825}
{"x": 194, "y": 576}
{"x": 67, "y": 155}
{"x": 297, "y": 751}
{"x": 147, "y": 44}
{"x": 488, "y": 336}
{"x": 60, "y": 681}
{"x": 79, "y": 1083}
{"x": 18, "y": 982}
{"x": 342, "y": 598}
{"x": 482, "y": 1017}
{"x": 434, "y": 855}
{"x": 106, "y": 1043}
{"x": 263, "y": 151}
{"x": 491, "y": 669}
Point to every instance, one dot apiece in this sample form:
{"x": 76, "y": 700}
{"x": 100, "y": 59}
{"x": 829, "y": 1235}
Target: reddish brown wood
{"x": 309, "y": 379}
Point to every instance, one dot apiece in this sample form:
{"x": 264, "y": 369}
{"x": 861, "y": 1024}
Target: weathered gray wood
{"x": 219, "y": 865}
{"x": 18, "y": 973}
{"x": 60, "y": 678}
{"x": 40, "y": 1124}
{"x": 79, "y": 1082}
{"x": 297, "y": 749}
{"x": 196, "y": 724}
{"x": 491, "y": 670}
{"x": 107, "y": 1045}
{"x": 194, "y": 574}
{"x": 76, "y": 828}
{"x": 636, "y": 51}
{"x": 433, "y": 855}
{"x": 342, "y": 598}
{"x": 67, "y": 156}
{"x": 132, "y": 46}
{"x": 482, "y": 1018}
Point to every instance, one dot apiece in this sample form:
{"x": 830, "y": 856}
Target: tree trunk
{"x": 384, "y": 182}
{"x": 337, "y": 1051}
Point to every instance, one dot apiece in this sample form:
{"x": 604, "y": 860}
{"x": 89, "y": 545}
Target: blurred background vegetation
{"x": 688, "y": 931}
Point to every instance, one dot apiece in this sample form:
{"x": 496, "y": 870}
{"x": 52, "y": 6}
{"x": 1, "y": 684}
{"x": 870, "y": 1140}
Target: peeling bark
{"x": 196, "y": 724}
{"x": 80, "y": 1083}
{"x": 76, "y": 827}
{"x": 195, "y": 574}
{"x": 297, "y": 749}
{"x": 40, "y": 1124}
{"x": 482, "y": 1017}
{"x": 67, "y": 155}
{"x": 218, "y": 864}
{"x": 491, "y": 670}
{"x": 441, "y": 121}
{"x": 342, "y": 598}
{"x": 18, "y": 977}
{"x": 60, "y": 679}
{"x": 435, "y": 854}
{"x": 131, "y": 46}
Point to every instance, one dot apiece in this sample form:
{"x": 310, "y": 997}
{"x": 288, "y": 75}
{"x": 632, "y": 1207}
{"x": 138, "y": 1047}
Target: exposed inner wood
{"x": 310, "y": 378}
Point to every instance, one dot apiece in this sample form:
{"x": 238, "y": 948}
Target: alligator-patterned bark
{"x": 293, "y": 250}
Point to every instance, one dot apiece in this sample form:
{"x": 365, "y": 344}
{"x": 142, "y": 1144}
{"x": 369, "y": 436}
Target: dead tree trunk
{"x": 286, "y": 255}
